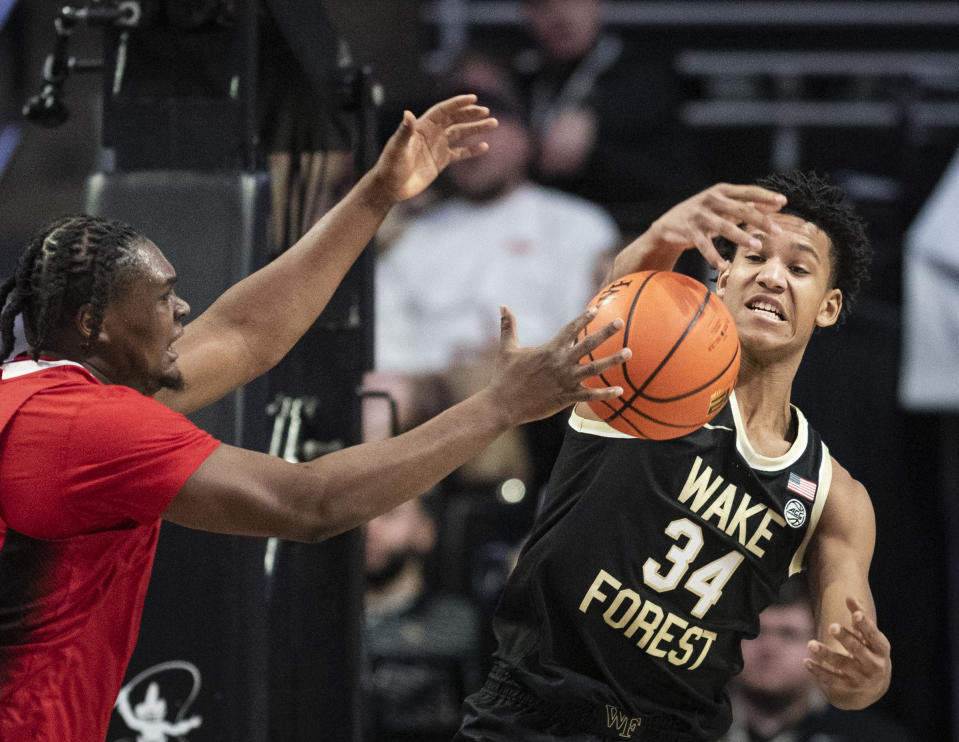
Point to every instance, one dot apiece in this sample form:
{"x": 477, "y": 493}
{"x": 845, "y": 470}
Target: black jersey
{"x": 650, "y": 561}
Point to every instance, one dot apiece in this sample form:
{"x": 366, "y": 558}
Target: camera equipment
{"x": 47, "y": 107}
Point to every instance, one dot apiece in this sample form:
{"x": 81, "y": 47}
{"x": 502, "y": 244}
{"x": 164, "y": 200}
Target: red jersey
{"x": 86, "y": 470}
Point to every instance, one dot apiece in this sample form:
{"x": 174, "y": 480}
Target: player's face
{"x": 140, "y": 326}
{"x": 773, "y": 661}
{"x": 780, "y": 292}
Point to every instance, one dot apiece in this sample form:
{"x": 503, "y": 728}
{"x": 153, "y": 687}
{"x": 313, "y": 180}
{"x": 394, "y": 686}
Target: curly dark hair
{"x": 813, "y": 198}
{"x": 75, "y": 260}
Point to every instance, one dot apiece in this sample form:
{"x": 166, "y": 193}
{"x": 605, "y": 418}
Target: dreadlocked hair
{"x": 76, "y": 260}
{"x": 814, "y": 199}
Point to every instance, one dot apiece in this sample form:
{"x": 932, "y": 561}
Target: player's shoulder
{"x": 60, "y": 381}
{"x": 71, "y": 390}
{"x": 844, "y": 483}
{"x": 849, "y": 502}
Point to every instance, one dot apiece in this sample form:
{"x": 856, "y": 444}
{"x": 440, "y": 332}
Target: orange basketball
{"x": 685, "y": 354}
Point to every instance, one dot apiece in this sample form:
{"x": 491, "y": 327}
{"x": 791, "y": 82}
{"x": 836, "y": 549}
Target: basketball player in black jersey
{"x": 650, "y": 560}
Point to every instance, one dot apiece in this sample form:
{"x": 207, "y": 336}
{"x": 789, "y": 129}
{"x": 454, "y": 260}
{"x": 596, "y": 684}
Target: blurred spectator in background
{"x": 498, "y": 239}
{"x": 603, "y": 109}
{"x": 930, "y": 363}
{"x": 422, "y": 649}
{"x": 775, "y": 699}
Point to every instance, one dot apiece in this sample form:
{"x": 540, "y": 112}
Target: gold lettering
{"x": 594, "y": 589}
{"x": 663, "y": 634}
{"x": 642, "y": 623}
{"x": 763, "y": 532}
{"x": 681, "y": 659}
{"x": 743, "y": 513}
{"x": 721, "y": 507}
{"x": 698, "y": 484}
{"x": 634, "y": 599}
{"x": 710, "y": 637}
{"x": 660, "y": 633}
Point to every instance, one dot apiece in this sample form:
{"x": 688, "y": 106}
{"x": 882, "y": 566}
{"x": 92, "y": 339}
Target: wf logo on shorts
{"x": 623, "y": 724}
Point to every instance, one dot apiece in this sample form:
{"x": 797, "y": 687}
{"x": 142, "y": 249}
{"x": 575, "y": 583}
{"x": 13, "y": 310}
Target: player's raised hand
{"x": 694, "y": 223}
{"x": 718, "y": 211}
{"x": 533, "y": 383}
{"x": 857, "y": 673}
{"x": 421, "y": 147}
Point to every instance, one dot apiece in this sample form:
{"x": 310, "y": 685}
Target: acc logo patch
{"x": 795, "y": 513}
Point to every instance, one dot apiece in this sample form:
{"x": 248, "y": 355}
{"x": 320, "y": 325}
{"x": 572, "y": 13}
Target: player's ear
{"x": 829, "y": 308}
{"x": 84, "y": 321}
{"x": 721, "y": 280}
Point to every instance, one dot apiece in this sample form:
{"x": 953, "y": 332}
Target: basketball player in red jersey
{"x": 649, "y": 560}
{"x": 91, "y": 460}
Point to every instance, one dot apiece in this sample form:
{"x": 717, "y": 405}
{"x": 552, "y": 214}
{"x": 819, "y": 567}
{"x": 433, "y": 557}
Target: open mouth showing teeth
{"x": 767, "y": 309}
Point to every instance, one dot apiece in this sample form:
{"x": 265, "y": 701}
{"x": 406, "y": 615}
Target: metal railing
{"x": 712, "y": 13}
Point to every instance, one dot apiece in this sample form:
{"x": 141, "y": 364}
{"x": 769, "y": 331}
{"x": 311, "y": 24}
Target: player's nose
{"x": 772, "y": 275}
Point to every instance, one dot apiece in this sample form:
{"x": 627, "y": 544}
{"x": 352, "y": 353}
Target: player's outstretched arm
{"x": 243, "y": 492}
{"x": 694, "y": 223}
{"x": 256, "y": 322}
{"x": 850, "y": 658}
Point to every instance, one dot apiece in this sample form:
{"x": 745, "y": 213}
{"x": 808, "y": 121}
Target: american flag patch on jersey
{"x": 802, "y": 487}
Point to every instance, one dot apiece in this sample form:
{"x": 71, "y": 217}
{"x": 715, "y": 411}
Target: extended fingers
{"x": 574, "y": 350}
{"x": 567, "y": 336}
{"x": 445, "y": 111}
{"x": 404, "y": 132}
{"x": 459, "y": 132}
{"x": 480, "y": 126}
{"x": 743, "y": 205}
{"x": 828, "y": 663}
{"x": 507, "y": 329}
{"x": 761, "y": 199}
{"x": 864, "y": 630}
{"x": 872, "y": 637}
{"x": 594, "y": 339}
{"x": 470, "y": 120}
{"x": 597, "y": 366}
{"x": 824, "y": 672}
{"x": 860, "y": 648}
{"x": 856, "y": 669}
{"x": 460, "y": 109}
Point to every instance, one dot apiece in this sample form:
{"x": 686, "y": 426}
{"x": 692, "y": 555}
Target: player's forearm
{"x": 645, "y": 253}
{"x": 359, "y": 483}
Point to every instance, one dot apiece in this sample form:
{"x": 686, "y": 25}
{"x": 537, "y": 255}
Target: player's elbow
{"x": 313, "y": 524}
{"x": 321, "y": 513}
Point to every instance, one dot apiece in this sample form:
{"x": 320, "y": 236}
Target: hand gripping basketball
{"x": 533, "y": 383}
